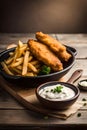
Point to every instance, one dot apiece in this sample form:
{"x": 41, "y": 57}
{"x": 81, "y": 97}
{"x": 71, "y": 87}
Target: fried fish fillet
{"x": 43, "y": 54}
{"x": 54, "y": 45}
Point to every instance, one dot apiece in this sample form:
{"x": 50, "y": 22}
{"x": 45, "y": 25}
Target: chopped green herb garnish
{"x": 47, "y": 91}
{"x": 83, "y": 99}
{"x": 51, "y": 90}
{"x": 58, "y": 89}
{"x": 79, "y": 114}
{"x": 45, "y": 70}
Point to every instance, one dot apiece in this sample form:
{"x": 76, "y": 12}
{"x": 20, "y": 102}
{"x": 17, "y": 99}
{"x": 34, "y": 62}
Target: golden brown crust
{"x": 48, "y": 40}
{"x": 43, "y": 54}
{"x": 54, "y": 45}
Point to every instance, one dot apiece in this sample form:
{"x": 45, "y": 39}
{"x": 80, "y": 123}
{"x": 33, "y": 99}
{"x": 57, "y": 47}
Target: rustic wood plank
{"x": 6, "y": 39}
{"x": 8, "y": 102}
{"x": 10, "y": 38}
{"x": 79, "y": 64}
{"x": 32, "y": 35}
{"x": 81, "y": 50}
{"x": 72, "y": 38}
{"x": 29, "y": 118}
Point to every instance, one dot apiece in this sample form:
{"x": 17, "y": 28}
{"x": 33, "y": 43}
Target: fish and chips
{"x": 28, "y": 58}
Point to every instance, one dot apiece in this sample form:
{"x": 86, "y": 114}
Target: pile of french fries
{"x": 21, "y": 62}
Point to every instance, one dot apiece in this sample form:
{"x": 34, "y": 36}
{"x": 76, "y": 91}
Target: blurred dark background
{"x": 49, "y": 16}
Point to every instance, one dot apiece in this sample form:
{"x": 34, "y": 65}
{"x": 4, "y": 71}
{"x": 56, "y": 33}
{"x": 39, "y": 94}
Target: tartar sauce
{"x": 51, "y": 93}
{"x": 83, "y": 83}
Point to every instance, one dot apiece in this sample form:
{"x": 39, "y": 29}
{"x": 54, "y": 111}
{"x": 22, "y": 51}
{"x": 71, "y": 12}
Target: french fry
{"x": 5, "y": 67}
{"x": 17, "y": 63}
{"x": 30, "y": 58}
{"x": 11, "y": 53}
{"x": 9, "y": 60}
{"x": 31, "y": 67}
{"x": 17, "y": 51}
{"x": 20, "y": 44}
{"x": 15, "y": 54}
{"x": 19, "y": 67}
{"x": 19, "y": 59}
{"x": 25, "y": 63}
{"x": 30, "y": 74}
{"x": 16, "y": 71}
{"x": 22, "y": 50}
{"x": 34, "y": 62}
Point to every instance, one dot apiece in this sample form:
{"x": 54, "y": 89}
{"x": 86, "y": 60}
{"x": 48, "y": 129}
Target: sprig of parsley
{"x": 58, "y": 89}
{"x": 45, "y": 70}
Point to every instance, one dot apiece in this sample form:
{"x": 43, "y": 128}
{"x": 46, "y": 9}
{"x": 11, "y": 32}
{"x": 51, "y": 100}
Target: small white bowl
{"x": 82, "y": 84}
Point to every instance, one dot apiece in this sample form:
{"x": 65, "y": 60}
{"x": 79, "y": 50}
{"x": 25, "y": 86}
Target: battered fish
{"x": 54, "y": 45}
{"x": 45, "y": 55}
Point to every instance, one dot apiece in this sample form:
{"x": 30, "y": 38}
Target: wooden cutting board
{"x": 26, "y": 96}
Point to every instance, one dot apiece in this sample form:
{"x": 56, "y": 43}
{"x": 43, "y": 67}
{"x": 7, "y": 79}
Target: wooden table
{"x": 14, "y": 115}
